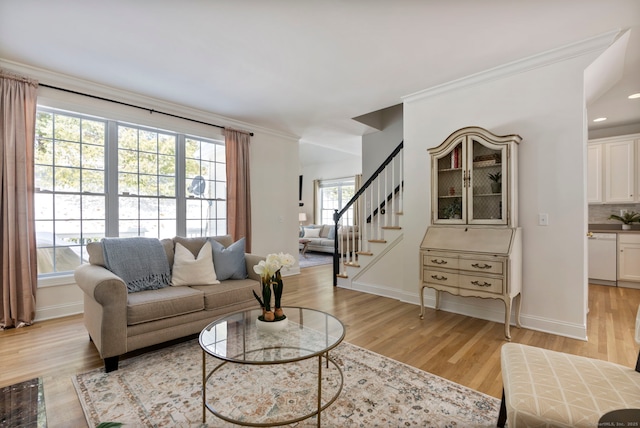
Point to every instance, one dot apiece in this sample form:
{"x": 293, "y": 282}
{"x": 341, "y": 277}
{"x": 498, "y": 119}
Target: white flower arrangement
{"x": 269, "y": 271}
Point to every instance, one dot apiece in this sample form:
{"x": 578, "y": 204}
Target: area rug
{"x": 163, "y": 389}
{"x": 311, "y": 258}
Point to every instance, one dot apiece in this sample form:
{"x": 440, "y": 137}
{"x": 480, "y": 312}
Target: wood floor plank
{"x": 462, "y": 349}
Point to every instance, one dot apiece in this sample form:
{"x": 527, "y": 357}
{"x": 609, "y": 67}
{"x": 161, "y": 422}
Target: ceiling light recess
{"x": 600, "y": 119}
{"x": 634, "y": 96}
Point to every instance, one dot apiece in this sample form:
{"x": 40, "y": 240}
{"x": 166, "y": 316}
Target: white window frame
{"x": 181, "y": 195}
{"x": 339, "y": 183}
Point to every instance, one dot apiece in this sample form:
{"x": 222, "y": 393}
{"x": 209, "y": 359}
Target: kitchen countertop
{"x": 613, "y": 228}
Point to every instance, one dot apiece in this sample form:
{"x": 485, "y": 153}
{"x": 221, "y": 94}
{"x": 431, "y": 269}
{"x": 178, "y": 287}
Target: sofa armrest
{"x": 252, "y": 260}
{"x": 105, "y": 308}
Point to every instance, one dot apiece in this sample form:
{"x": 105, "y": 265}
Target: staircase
{"x": 369, "y": 225}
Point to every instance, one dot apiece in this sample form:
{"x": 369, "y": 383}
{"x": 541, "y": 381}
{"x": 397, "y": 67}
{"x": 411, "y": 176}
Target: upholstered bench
{"x": 545, "y": 388}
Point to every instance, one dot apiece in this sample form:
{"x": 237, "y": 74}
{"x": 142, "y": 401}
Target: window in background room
{"x": 334, "y": 195}
{"x": 81, "y": 196}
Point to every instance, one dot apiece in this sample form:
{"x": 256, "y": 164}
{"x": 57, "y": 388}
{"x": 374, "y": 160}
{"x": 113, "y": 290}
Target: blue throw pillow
{"x": 332, "y": 233}
{"x": 229, "y": 262}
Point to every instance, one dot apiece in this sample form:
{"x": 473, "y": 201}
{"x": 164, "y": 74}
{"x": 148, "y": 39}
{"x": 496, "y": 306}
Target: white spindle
{"x": 393, "y": 192}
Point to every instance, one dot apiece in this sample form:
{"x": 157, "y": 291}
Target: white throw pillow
{"x": 188, "y": 270}
{"x": 312, "y": 233}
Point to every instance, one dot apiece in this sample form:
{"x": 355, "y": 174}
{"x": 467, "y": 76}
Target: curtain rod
{"x": 134, "y": 106}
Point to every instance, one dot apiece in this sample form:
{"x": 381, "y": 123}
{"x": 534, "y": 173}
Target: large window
{"x": 96, "y": 177}
{"x": 334, "y": 195}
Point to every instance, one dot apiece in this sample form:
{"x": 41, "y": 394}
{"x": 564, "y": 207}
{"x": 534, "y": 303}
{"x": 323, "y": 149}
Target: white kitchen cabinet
{"x": 612, "y": 170}
{"x": 619, "y": 172}
{"x": 594, "y": 174}
{"x": 629, "y": 257}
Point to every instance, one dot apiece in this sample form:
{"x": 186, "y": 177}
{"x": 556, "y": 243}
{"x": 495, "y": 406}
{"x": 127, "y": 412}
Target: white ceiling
{"x": 307, "y": 67}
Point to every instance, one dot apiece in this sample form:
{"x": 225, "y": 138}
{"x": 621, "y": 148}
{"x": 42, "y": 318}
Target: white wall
{"x": 377, "y": 146}
{"x": 545, "y": 106}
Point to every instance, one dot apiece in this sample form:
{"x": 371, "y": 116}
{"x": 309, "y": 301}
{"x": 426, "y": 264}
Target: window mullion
{"x": 111, "y": 168}
{"x": 181, "y": 202}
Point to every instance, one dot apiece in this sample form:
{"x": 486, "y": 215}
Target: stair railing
{"x": 373, "y": 208}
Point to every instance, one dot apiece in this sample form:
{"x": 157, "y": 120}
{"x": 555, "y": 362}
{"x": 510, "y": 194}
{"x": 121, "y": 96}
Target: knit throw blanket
{"x": 140, "y": 262}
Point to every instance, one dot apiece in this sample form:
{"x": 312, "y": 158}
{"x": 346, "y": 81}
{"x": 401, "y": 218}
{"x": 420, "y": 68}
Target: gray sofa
{"x": 325, "y": 241}
{"x": 119, "y": 321}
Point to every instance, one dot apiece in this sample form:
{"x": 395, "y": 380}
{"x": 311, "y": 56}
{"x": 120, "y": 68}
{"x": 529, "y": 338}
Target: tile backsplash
{"x": 599, "y": 214}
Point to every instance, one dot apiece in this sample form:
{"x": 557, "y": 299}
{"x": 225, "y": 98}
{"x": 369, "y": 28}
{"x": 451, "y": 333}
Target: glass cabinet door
{"x": 474, "y": 179}
{"x": 487, "y": 166}
{"x": 450, "y": 184}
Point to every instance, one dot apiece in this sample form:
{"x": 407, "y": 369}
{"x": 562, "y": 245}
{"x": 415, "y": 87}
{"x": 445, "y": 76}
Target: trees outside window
{"x": 96, "y": 178}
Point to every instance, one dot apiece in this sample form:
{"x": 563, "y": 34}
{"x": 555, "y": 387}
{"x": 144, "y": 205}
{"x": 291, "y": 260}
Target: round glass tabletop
{"x": 305, "y": 333}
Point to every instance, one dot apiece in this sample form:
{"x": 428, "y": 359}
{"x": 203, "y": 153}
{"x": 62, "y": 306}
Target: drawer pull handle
{"x": 439, "y": 278}
{"x": 439, "y": 262}
{"x": 484, "y": 266}
{"x": 484, "y": 284}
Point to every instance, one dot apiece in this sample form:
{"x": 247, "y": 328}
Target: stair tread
{"x": 364, "y": 253}
{"x": 391, "y": 227}
{"x": 352, "y": 264}
{"x": 380, "y": 241}
{"x": 342, "y": 275}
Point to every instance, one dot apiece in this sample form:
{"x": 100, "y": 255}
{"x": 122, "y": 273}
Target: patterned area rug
{"x": 163, "y": 389}
{"x": 312, "y": 258}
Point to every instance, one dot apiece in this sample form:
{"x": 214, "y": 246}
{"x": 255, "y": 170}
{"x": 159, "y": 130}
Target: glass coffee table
{"x": 271, "y": 378}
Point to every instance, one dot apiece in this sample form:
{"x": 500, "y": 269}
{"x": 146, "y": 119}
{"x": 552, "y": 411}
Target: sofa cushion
{"x": 189, "y": 270}
{"x": 229, "y": 261}
{"x": 195, "y": 244}
{"x": 326, "y": 230}
{"x": 228, "y": 292}
{"x": 310, "y": 232}
{"x": 151, "y": 305}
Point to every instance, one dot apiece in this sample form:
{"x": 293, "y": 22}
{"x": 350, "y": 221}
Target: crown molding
{"x": 572, "y": 50}
{"x": 93, "y": 88}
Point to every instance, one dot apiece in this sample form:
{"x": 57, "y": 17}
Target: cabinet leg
{"x": 437, "y": 299}
{"x": 507, "y": 318}
{"x": 422, "y": 302}
{"x": 518, "y": 302}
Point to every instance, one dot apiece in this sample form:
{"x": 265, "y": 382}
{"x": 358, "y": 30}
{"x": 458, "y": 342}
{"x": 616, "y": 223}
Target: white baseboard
{"x": 59, "y": 311}
{"x": 470, "y": 307}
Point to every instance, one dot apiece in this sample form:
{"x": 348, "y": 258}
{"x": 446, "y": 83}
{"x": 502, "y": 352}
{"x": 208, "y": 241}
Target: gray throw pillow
{"x": 332, "y": 233}
{"x": 229, "y": 262}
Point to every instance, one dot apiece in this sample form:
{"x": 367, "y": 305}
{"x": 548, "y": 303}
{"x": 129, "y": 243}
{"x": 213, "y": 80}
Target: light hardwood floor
{"x": 462, "y": 349}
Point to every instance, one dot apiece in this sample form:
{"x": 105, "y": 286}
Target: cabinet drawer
{"x": 482, "y": 266}
{"x": 433, "y": 260}
{"x": 440, "y": 277}
{"x": 482, "y": 283}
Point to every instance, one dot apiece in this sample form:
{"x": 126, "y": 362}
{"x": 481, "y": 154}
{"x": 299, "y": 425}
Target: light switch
{"x": 543, "y": 219}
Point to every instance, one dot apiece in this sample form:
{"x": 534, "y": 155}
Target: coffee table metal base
{"x": 319, "y": 408}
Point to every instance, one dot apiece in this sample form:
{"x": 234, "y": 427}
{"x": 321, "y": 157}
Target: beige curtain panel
{"x": 18, "y": 98}
{"x": 238, "y": 186}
